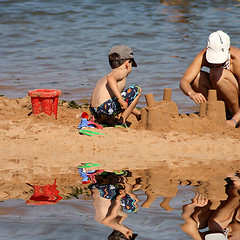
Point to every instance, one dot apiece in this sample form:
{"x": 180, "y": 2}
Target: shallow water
{"x": 64, "y": 45}
{"x": 74, "y": 219}
{"x": 72, "y": 215}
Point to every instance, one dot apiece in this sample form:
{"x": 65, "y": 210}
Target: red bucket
{"x": 44, "y": 100}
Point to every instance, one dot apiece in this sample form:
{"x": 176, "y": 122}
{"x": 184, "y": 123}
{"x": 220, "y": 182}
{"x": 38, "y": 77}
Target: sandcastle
{"x": 156, "y": 115}
{"x": 213, "y": 109}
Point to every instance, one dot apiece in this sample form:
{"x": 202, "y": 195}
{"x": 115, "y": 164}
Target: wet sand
{"x": 39, "y": 148}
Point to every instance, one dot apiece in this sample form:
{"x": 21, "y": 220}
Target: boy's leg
{"x": 106, "y": 111}
{"x": 131, "y": 96}
{"x": 130, "y": 109}
{"x": 109, "y": 109}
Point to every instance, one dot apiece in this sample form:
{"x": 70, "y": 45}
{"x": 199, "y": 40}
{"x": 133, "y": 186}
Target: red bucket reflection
{"x": 44, "y": 195}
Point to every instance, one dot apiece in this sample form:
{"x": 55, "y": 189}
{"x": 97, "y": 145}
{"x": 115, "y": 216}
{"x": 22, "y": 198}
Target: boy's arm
{"x": 112, "y": 79}
{"x": 189, "y": 76}
{"x": 116, "y": 216}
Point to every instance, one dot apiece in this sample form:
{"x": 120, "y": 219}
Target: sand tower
{"x": 214, "y": 110}
{"x": 155, "y": 116}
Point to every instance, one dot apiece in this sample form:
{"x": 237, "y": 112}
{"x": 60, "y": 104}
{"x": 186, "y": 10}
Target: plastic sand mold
{"x": 88, "y": 175}
{"x": 89, "y": 132}
{"x": 88, "y": 165}
{"x": 85, "y": 123}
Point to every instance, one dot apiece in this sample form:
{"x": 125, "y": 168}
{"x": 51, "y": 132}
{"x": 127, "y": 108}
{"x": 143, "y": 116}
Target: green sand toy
{"x": 88, "y": 165}
{"x": 89, "y": 132}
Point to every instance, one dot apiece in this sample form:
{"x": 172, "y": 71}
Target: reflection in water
{"x": 113, "y": 197}
{"x": 147, "y": 202}
{"x": 43, "y": 195}
{"x": 179, "y": 10}
{"x": 158, "y": 183}
{"x": 222, "y": 222}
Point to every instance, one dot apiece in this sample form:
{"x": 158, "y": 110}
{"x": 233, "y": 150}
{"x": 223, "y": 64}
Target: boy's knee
{"x": 137, "y": 90}
{"x": 140, "y": 91}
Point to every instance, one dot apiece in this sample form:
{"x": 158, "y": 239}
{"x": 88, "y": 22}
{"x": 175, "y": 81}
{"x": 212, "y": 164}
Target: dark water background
{"x": 64, "y": 44}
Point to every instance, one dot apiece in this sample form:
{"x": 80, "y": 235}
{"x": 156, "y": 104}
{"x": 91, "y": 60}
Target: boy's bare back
{"x": 102, "y": 92}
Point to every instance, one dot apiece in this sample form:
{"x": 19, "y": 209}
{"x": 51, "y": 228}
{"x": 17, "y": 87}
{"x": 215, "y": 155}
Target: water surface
{"x": 159, "y": 203}
{"x": 64, "y": 45}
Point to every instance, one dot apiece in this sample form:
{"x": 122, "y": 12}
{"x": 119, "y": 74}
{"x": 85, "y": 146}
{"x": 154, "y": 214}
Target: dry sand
{"x": 39, "y": 148}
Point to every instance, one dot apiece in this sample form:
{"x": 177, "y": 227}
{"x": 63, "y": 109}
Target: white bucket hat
{"x": 215, "y": 236}
{"x": 218, "y": 47}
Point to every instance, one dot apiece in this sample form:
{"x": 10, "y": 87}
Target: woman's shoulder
{"x": 235, "y": 51}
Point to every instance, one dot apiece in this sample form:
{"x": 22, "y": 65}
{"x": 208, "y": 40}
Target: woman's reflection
{"x": 112, "y": 194}
{"x": 222, "y": 223}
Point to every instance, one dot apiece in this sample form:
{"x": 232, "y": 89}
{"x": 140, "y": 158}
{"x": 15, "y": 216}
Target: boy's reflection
{"x": 222, "y": 223}
{"x": 112, "y": 194}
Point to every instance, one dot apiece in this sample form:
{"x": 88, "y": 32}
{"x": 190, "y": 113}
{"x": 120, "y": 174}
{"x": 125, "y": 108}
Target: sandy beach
{"x": 36, "y": 148}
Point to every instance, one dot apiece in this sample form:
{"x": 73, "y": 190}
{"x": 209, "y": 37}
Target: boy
{"x": 112, "y": 194}
{"x": 224, "y": 64}
{"x": 109, "y": 97}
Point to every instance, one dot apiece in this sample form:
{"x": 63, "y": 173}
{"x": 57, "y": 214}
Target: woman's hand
{"x": 198, "y": 98}
{"x": 232, "y": 123}
{"x": 198, "y": 201}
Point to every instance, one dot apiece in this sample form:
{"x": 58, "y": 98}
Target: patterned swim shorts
{"x": 111, "y": 107}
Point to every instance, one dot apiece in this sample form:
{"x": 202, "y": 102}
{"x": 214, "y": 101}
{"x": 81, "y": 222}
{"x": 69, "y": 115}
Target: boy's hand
{"x": 124, "y": 105}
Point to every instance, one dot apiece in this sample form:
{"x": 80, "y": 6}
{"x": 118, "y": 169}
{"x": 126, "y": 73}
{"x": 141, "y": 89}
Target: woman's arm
{"x": 191, "y": 226}
{"x": 189, "y": 76}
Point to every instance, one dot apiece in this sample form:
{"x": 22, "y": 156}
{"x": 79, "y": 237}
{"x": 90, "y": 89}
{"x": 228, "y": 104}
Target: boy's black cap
{"x": 125, "y": 52}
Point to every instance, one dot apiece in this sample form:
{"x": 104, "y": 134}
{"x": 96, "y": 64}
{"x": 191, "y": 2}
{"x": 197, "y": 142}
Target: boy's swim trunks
{"x": 107, "y": 191}
{"x": 128, "y": 203}
{"x": 111, "y": 107}
{"x": 110, "y": 192}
